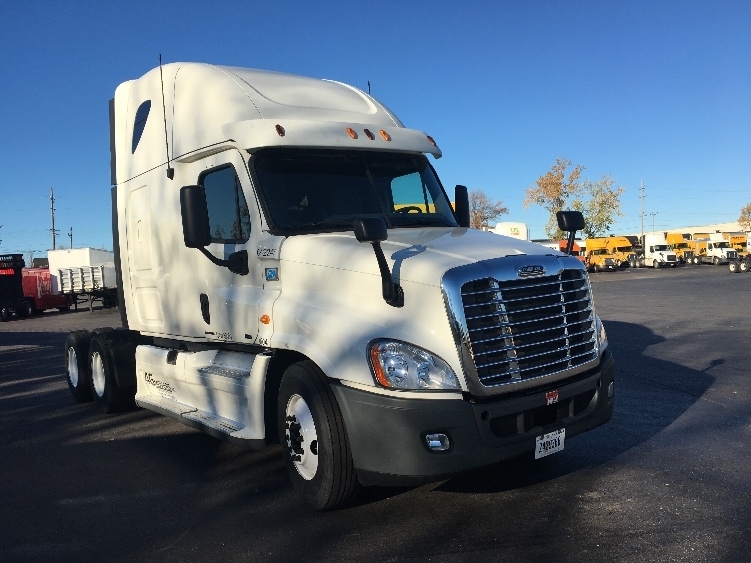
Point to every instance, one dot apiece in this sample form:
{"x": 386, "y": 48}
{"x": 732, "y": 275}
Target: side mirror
{"x": 370, "y": 229}
{"x": 570, "y": 221}
{"x": 373, "y": 230}
{"x": 195, "y": 216}
{"x": 461, "y": 205}
{"x": 197, "y": 231}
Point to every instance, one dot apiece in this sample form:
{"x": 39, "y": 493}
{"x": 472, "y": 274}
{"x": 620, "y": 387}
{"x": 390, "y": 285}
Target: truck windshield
{"x": 722, "y": 244}
{"x": 304, "y": 190}
{"x": 661, "y": 247}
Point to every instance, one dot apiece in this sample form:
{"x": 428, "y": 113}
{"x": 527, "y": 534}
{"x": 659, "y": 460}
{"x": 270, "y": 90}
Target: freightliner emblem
{"x": 529, "y": 271}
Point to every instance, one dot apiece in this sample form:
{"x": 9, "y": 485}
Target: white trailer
{"x": 278, "y": 283}
{"x": 84, "y": 274}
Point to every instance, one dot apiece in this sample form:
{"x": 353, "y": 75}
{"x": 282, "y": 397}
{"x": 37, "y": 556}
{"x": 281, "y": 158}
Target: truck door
{"x": 228, "y": 301}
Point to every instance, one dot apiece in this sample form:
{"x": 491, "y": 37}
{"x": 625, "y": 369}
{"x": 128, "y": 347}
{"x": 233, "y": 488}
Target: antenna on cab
{"x": 170, "y": 170}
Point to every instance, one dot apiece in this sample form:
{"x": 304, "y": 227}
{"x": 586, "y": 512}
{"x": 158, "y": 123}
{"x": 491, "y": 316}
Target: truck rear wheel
{"x": 104, "y": 388}
{"x": 27, "y": 309}
{"x": 743, "y": 266}
{"x": 314, "y": 441}
{"x": 77, "y": 365}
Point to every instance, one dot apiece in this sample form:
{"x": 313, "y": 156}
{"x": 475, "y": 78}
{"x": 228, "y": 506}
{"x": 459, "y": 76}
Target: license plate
{"x": 549, "y": 443}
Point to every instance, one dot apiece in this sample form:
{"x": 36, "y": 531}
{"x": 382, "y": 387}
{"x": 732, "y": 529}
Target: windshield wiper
{"x": 435, "y": 221}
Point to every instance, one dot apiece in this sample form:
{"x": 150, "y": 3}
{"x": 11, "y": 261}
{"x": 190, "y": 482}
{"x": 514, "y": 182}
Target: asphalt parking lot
{"x": 667, "y": 479}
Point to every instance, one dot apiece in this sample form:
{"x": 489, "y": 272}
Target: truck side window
{"x": 228, "y": 211}
{"x": 142, "y": 114}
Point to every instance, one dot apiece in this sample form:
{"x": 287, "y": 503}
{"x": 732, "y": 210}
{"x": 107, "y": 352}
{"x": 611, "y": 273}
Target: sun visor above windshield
{"x": 253, "y": 134}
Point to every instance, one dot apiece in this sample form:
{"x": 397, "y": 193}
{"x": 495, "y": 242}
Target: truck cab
{"x": 657, "y": 252}
{"x": 598, "y": 257}
{"x": 717, "y": 251}
{"x": 681, "y": 245}
{"x": 622, "y": 249}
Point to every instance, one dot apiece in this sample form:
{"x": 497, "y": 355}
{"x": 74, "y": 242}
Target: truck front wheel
{"x": 105, "y": 390}
{"x": 716, "y": 261}
{"x": 77, "y": 365}
{"x": 314, "y": 441}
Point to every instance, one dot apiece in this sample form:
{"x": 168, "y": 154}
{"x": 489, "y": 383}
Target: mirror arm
{"x": 237, "y": 263}
{"x": 393, "y": 293}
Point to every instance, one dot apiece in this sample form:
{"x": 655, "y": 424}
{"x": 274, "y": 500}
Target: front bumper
{"x": 386, "y": 434}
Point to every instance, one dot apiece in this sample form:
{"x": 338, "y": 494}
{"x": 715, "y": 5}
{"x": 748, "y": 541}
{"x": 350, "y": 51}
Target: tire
{"x": 104, "y": 388}
{"x": 26, "y": 309}
{"x": 743, "y": 266}
{"x": 314, "y": 440}
{"x": 656, "y": 264}
{"x": 716, "y": 261}
{"x": 4, "y": 314}
{"x": 733, "y": 266}
{"x": 77, "y": 370}
{"x": 695, "y": 260}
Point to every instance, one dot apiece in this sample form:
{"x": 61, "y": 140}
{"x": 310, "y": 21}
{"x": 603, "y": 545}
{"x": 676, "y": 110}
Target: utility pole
{"x": 52, "y": 211}
{"x": 70, "y": 235}
{"x": 653, "y": 220}
{"x": 641, "y": 199}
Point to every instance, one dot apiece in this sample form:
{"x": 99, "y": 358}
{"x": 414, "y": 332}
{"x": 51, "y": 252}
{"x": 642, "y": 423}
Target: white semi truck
{"x": 274, "y": 287}
{"x": 657, "y": 252}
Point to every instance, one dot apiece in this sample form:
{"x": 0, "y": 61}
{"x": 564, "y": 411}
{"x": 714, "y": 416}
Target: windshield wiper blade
{"x": 435, "y": 221}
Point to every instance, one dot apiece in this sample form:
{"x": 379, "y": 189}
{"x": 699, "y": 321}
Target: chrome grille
{"x": 527, "y": 328}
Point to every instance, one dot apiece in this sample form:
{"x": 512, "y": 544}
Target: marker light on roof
{"x": 386, "y": 136}
{"x": 351, "y": 132}
{"x": 431, "y": 140}
{"x": 280, "y": 130}
{"x": 369, "y": 134}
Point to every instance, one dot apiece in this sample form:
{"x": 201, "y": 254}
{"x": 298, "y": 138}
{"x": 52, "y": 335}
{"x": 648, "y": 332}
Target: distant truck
{"x": 717, "y": 251}
{"x": 622, "y": 249}
{"x": 25, "y": 291}
{"x": 598, "y": 258}
{"x": 657, "y": 252}
{"x": 578, "y": 249}
{"x": 37, "y": 291}
{"x": 681, "y": 244}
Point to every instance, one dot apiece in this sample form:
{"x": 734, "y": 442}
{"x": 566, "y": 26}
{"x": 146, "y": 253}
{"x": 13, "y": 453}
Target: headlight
{"x": 601, "y": 336}
{"x": 398, "y": 365}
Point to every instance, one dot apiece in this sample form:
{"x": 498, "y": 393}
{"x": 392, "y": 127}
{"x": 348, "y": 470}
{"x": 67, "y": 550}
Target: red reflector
{"x": 9, "y": 272}
{"x": 551, "y": 397}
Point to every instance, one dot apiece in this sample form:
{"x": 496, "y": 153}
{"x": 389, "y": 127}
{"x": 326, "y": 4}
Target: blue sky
{"x": 652, "y": 91}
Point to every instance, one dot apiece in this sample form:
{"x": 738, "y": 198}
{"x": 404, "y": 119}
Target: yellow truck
{"x": 738, "y": 241}
{"x": 622, "y": 249}
{"x": 681, "y": 243}
{"x": 598, "y": 257}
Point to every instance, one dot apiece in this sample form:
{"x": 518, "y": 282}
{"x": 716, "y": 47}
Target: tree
{"x": 599, "y": 201}
{"x": 482, "y": 209}
{"x": 745, "y": 219}
{"x": 600, "y": 206}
